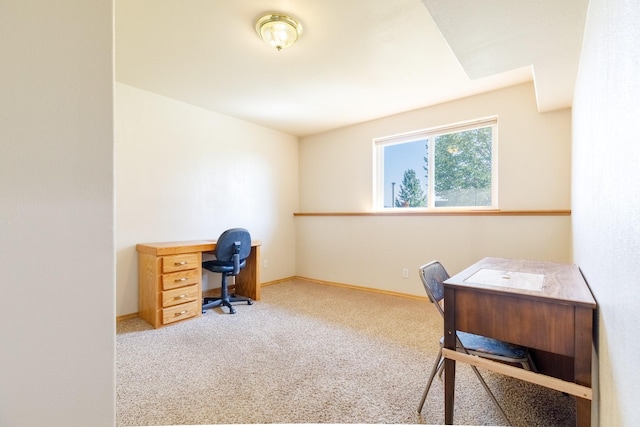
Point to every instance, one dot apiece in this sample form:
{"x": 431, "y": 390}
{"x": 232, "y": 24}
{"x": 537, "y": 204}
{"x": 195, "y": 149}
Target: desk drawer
{"x": 179, "y": 312}
{"x": 180, "y": 295}
{"x": 180, "y": 262}
{"x": 180, "y": 279}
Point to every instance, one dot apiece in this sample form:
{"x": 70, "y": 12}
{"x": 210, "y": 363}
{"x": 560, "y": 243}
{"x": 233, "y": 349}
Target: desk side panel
{"x": 530, "y": 323}
{"x": 248, "y": 281}
{"x": 582, "y": 368}
{"x": 584, "y": 344}
{"x": 149, "y": 267}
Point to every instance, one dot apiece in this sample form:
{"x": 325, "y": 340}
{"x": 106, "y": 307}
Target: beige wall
{"x": 184, "y": 173}
{"x": 606, "y": 201}
{"x": 57, "y": 307}
{"x": 336, "y": 175}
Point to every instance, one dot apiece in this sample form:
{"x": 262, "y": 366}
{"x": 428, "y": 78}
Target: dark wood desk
{"x": 541, "y": 305}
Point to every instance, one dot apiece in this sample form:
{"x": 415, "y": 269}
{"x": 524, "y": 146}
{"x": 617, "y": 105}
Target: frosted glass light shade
{"x": 278, "y": 30}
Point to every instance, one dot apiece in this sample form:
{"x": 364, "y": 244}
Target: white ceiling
{"x": 356, "y": 60}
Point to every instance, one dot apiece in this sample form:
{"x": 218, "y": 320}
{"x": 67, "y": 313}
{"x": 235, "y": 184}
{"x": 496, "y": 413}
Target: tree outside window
{"x": 410, "y": 194}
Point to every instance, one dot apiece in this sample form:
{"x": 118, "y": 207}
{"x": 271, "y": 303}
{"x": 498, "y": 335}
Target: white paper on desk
{"x": 508, "y": 279}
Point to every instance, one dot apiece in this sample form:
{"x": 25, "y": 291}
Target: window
{"x": 447, "y": 167}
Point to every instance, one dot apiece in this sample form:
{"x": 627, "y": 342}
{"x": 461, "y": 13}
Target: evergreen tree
{"x": 410, "y": 194}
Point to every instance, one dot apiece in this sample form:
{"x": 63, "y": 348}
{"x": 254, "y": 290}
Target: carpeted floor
{"x": 309, "y": 353}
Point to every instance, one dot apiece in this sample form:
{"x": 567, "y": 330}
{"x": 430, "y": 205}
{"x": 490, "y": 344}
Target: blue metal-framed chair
{"x": 433, "y": 274}
{"x": 232, "y": 250}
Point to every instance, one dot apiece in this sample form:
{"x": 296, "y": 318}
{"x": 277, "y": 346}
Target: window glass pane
{"x": 463, "y": 168}
{"x": 405, "y": 182}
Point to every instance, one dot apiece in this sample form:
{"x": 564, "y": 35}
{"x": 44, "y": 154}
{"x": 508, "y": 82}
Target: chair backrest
{"x": 432, "y": 275}
{"x": 231, "y": 242}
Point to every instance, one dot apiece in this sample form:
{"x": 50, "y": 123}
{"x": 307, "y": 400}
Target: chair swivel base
{"x": 209, "y": 303}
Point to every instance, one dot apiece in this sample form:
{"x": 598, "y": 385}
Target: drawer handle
{"x": 181, "y": 313}
{"x": 183, "y": 296}
{"x": 180, "y": 263}
{"x": 182, "y": 279}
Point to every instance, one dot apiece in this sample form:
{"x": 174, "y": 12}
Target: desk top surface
{"x": 560, "y": 282}
{"x": 171, "y": 248}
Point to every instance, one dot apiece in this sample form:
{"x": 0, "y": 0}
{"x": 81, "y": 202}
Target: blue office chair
{"x": 232, "y": 250}
{"x": 433, "y": 275}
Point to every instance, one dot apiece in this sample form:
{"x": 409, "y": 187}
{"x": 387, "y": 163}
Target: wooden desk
{"x": 556, "y": 318}
{"x": 170, "y": 279}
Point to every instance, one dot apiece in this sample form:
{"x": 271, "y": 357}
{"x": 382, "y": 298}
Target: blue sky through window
{"x": 397, "y": 159}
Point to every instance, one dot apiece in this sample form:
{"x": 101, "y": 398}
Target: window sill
{"x": 492, "y": 212}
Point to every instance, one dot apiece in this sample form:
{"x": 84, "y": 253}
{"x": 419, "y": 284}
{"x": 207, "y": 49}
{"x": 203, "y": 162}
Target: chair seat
{"x": 218, "y": 266}
{"x": 490, "y": 346}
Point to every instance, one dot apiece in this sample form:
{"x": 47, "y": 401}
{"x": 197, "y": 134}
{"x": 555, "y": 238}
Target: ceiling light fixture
{"x": 278, "y": 30}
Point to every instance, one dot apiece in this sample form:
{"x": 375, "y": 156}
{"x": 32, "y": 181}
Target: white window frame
{"x": 430, "y": 134}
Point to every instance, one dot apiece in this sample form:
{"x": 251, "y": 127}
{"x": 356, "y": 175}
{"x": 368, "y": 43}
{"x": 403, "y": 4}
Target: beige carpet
{"x": 309, "y": 353}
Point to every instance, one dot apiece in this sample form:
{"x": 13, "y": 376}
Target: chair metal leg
{"x": 437, "y": 366}
{"x": 529, "y": 365}
{"x": 486, "y": 387}
{"x": 225, "y": 299}
{"x": 234, "y": 298}
{"x": 227, "y": 304}
{"x": 210, "y": 303}
{"x": 483, "y": 382}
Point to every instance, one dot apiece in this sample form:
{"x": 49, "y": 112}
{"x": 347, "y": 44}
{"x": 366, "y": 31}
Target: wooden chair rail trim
{"x": 492, "y": 212}
{"x": 529, "y": 376}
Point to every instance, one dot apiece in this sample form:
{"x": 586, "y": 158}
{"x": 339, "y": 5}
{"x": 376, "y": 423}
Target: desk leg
{"x": 582, "y": 361}
{"x": 449, "y": 386}
{"x": 449, "y": 343}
